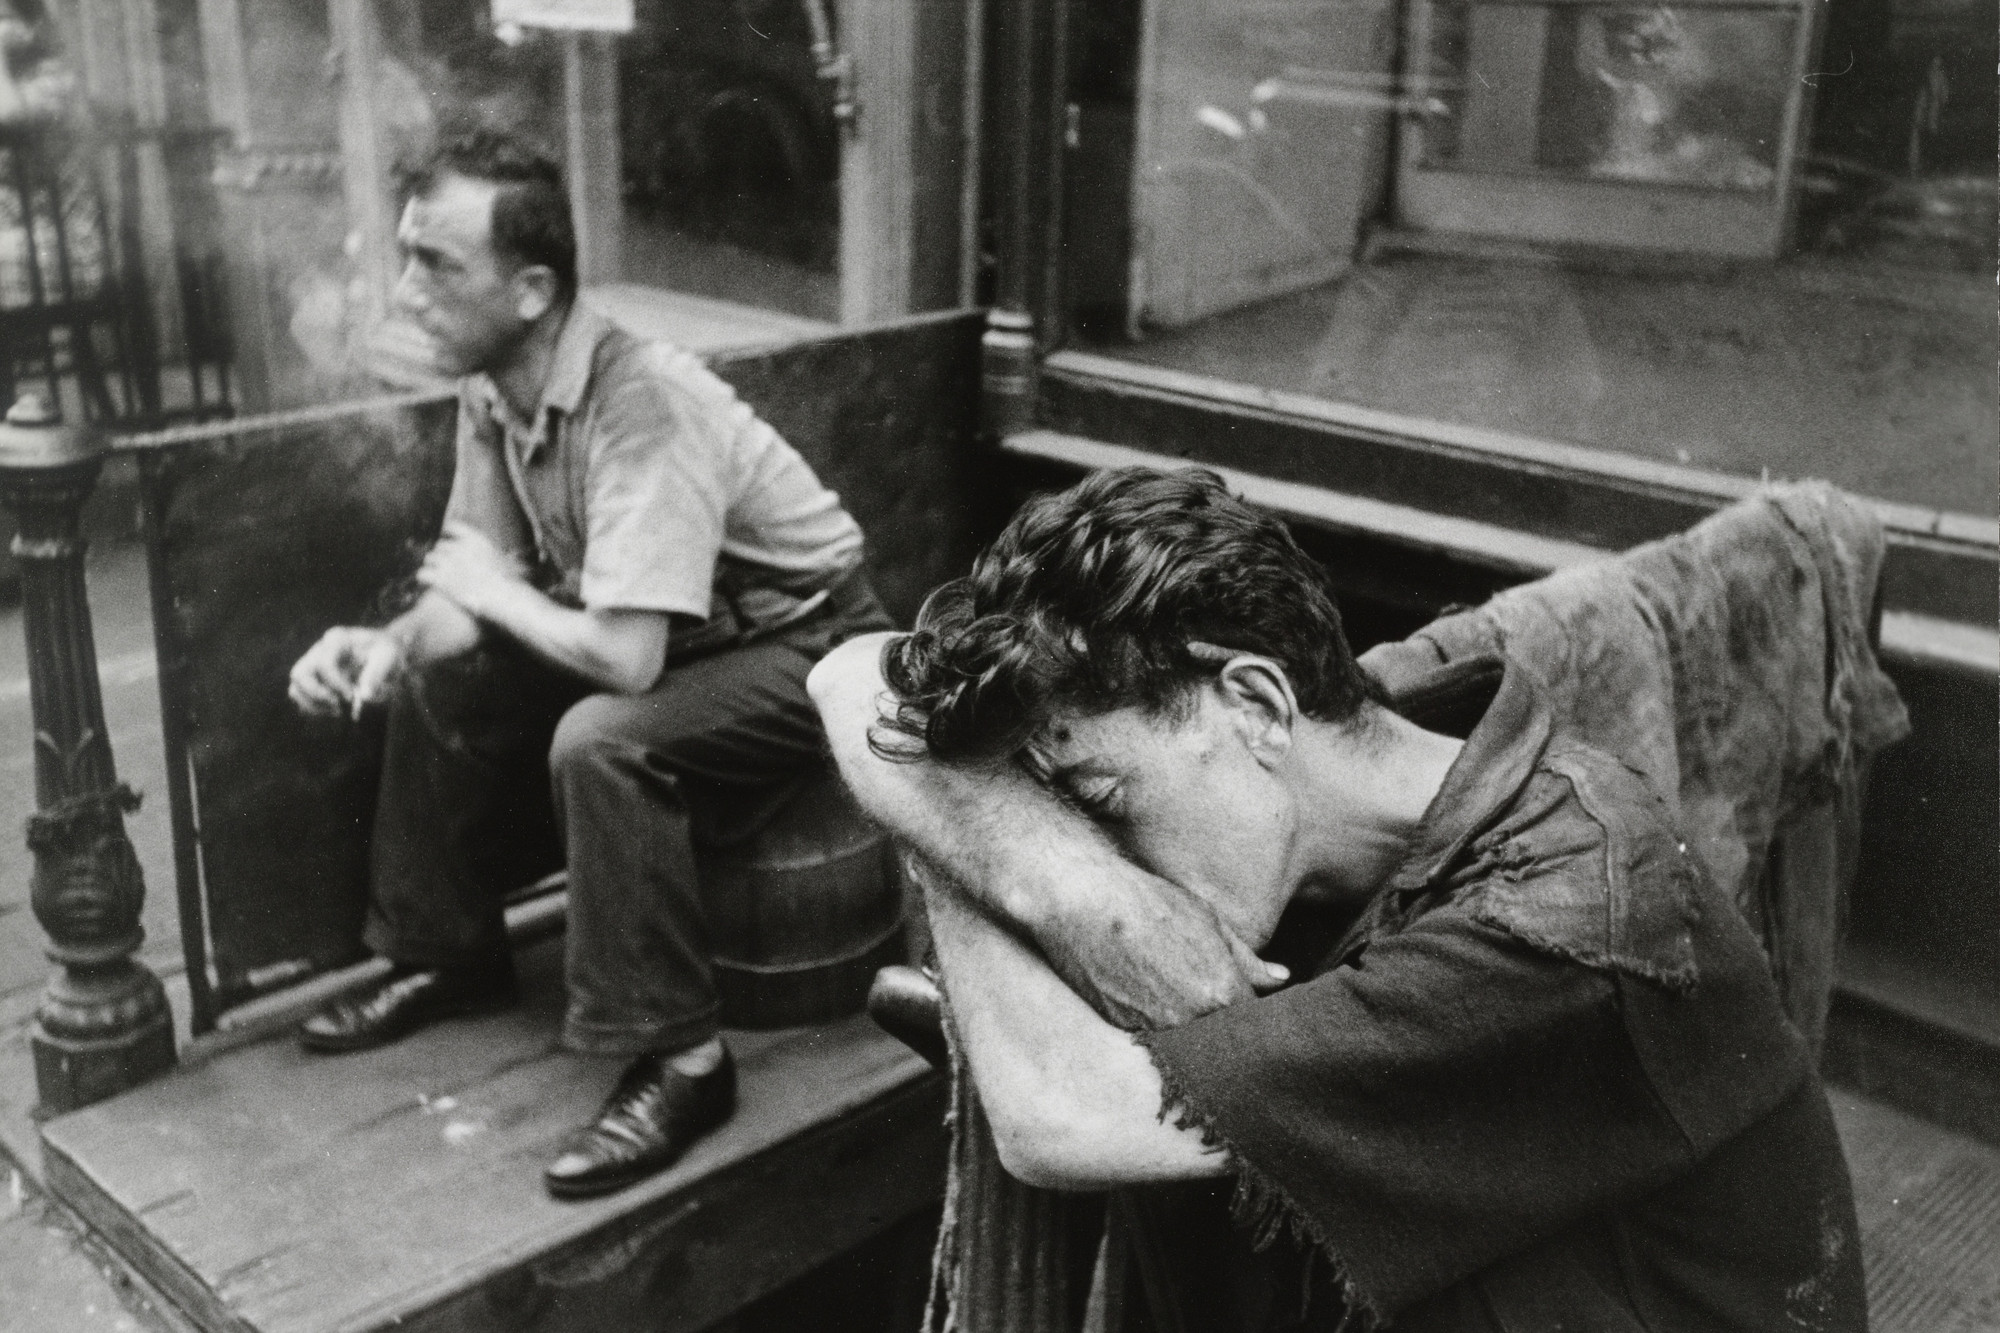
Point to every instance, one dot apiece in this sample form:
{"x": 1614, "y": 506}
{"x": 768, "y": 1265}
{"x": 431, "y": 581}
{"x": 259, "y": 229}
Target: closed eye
{"x": 1100, "y": 798}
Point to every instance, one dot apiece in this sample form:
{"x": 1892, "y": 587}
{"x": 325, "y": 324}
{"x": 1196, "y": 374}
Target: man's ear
{"x": 1266, "y": 708}
{"x": 535, "y": 288}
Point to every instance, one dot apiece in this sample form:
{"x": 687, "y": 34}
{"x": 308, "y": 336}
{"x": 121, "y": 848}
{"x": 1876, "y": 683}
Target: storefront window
{"x": 717, "y": 148}
{"x": 1653, "y": 96}
{"x": 732, "y": 153}
{"x": 742, "y": 172}
{"x": 1740, "y": 237}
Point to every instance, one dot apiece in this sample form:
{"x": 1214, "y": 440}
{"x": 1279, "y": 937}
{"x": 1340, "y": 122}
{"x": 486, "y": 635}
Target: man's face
{"x": 453, "y": 285}
{"x": 1188, "y": 798}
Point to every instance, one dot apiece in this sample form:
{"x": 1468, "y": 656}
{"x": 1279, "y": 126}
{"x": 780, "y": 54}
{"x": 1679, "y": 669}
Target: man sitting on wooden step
{"x": 1543, "y": 1081}
{"x": 635, "y": 575}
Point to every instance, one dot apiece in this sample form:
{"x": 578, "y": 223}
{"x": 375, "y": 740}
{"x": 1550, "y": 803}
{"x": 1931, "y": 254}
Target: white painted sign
{"x": 570, "y": 15}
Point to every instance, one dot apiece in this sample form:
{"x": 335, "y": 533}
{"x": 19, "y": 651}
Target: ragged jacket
{"x": 1732, "y": 666}
{"x": 1547, "y": 1080}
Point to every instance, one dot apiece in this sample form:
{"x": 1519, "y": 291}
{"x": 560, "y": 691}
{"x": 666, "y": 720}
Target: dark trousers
{"x": 469, "y": 810}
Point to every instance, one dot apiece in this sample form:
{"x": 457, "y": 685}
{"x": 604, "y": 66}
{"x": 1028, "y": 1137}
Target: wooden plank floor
{"x": 277, "y": 1191}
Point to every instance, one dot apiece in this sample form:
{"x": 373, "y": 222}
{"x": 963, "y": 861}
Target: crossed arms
{"x": 1051, "y": 944}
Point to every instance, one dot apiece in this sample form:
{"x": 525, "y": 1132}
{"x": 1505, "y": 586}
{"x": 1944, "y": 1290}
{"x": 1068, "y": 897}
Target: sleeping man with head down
{"x": 1542, "y": 1081}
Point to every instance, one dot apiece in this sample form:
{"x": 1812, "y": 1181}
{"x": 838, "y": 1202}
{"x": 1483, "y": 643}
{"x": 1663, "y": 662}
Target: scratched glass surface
{"x": 1741, "y": 236}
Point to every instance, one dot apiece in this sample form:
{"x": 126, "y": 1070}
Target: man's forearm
{"x": 617, "y": 651}
{"x": 1143, "y": 951}
{"x": 1074, "y": 1102}
{"x": 434, "y": 628}
{"x": 994, "y": 831}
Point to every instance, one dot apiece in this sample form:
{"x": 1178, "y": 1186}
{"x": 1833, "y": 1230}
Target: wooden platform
{"x": 281, "y": 1192}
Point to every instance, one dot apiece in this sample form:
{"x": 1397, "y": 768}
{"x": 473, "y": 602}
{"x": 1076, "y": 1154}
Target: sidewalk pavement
{"x": 55, "y": 1277}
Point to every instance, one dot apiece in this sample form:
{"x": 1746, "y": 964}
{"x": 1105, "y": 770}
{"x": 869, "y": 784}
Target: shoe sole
{"x": 571, "y": 1191}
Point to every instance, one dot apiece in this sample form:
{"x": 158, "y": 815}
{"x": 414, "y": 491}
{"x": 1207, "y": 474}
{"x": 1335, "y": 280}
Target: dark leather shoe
{"x": 648, "y": 1121}
{"x": 406, "y": 1000}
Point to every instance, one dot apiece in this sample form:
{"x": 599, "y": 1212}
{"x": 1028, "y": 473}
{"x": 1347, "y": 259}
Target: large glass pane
{"x": 731, "y": 153}
{"x": 1261, "y": 135}
{"x": 701, "y": 150}
{"x": 1744, "y": 237}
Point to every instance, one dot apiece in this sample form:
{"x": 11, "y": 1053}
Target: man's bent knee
{"x": 594, "y": 730}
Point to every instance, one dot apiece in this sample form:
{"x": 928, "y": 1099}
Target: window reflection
{"x": 731, "y": 153}
{"x": 1741, "y": 237}
{"x": 1655, "y": 94}
{"x": 728, "y": 159}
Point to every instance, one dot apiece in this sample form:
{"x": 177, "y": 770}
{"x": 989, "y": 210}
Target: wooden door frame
{"x": 909, "y": 156}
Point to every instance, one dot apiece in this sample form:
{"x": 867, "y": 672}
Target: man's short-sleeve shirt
{"x": 1544, "y": 1082}
{"x": 643, "y": 483}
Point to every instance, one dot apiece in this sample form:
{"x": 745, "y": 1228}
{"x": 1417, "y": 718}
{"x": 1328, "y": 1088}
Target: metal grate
{"x": 1929, "y": 1206}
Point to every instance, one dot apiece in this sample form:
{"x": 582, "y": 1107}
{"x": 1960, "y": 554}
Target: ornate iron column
{"x": 103, "y": 1024}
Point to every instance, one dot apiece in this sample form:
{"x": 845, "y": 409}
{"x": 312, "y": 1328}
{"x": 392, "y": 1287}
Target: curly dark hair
{"x": 1090, "y": 599}
{"x": 531, "y": 222}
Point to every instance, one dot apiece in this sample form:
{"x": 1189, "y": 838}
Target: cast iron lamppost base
{"x": 103, "y": 1024}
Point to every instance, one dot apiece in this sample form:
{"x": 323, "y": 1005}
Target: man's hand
{"x": 469, "y": 569}
{"x": 349, "y": 668}
{"x": 1146, "y": 953}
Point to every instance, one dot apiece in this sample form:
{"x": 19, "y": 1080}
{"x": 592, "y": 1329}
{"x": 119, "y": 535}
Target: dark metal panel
{"x": 888, "y": 418}
{"x": 1928, "y": 886}
{"x": 259, "y": 538}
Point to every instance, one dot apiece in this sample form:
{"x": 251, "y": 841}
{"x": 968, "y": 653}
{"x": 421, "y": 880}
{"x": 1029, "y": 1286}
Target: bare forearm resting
{"x": 1143, "y": 951}
{"x": 618, "y": 651}
{"x": 435, "y": 628}
{"x": 1074, "y": 1102}
{"x": 1004, "y": 839}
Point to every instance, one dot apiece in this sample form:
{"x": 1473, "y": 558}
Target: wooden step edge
{"x": 125, "y": 1236}
{"x": 904, "y": 1121}
{"x": 900, "y": 1122}
{"x": 1888, "y": 1051}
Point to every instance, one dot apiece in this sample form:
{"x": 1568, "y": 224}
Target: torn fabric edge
{"x": 1260, "y": 1205}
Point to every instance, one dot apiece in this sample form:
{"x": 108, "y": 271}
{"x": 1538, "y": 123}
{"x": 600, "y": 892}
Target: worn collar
{"x": 569, "y": 376}
{"x": 1500, "y": 755}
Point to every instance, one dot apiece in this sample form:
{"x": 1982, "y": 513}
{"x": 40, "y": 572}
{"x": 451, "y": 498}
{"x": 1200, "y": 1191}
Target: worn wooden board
{"x": 261, "y": 535}
{"x": 284, "y": 1192}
